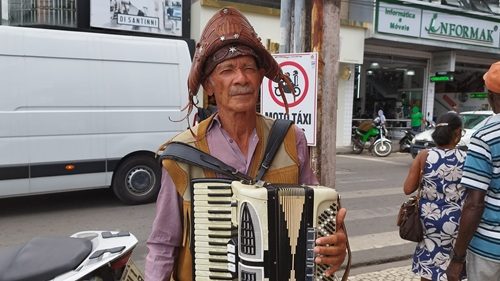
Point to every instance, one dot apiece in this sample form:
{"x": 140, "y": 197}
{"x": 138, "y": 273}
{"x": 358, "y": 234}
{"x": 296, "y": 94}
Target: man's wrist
{"x": 457, "y": 258}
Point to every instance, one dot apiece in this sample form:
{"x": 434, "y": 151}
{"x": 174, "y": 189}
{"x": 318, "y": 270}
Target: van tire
{"x": 137, "y": 180}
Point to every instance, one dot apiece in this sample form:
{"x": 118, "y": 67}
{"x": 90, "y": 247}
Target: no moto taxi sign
{"x": 302, "y": 68}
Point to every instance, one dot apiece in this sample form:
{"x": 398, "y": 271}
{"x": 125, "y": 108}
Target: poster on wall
{"x": 150, "y": 16}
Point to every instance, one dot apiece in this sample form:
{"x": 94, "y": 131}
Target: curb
{"x": 381, "y": 261}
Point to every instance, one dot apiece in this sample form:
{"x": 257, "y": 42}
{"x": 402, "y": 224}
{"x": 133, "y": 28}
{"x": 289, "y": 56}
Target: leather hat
{"x": 228, "y": 34}
{"x": 492, "y": 78}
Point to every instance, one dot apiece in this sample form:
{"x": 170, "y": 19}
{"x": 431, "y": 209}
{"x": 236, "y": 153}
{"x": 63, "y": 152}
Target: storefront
{"x": 424, "y": 55}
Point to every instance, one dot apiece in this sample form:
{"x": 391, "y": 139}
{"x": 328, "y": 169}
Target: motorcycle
{"x": 405, "y": 142}
{"x": 84, "y": 256}
{"x": 371, "y": 135}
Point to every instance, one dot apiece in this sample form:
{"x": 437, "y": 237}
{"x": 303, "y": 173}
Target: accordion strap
{"x": 347, "y": 269}
{"x": 277, "y": 134}
{"x": 185, "y": 153}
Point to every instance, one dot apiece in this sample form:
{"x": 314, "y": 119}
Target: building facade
{"x": 425, "y": 54}
{"x": 393, "y": 54}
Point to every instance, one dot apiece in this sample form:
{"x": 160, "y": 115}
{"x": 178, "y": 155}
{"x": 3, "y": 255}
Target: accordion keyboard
{"x": 212, "y": 218}
{"x": 326, "y": 225}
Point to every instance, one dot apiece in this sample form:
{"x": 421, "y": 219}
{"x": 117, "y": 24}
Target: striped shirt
{"x": 482, "y": 172}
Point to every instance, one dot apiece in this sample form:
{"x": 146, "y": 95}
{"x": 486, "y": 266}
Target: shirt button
{"x": 230, "y": 140}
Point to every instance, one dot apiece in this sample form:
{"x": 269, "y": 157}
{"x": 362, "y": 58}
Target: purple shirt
{"x": 166, "y": 235}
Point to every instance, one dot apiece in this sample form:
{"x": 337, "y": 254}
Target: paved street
{"x": 371, "y": 190}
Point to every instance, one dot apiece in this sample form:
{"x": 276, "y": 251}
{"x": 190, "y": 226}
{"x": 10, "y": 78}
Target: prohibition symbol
{"x": 296, "y": 93}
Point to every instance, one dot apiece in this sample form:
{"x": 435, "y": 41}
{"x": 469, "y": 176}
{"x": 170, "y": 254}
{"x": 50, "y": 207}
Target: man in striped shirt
{"x": 478, "y": 240}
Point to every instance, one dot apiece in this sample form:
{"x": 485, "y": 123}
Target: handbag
{"x": 410, "y": 226}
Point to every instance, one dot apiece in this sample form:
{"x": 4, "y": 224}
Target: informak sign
{"x": 303, "y": 70}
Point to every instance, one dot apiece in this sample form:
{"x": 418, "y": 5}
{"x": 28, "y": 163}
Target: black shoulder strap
{"x": 185, "y": 153}
{"x": 275, "y": 139}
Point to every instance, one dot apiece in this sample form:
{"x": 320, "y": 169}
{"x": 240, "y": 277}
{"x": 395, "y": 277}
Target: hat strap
{"x": 289, "y": 84}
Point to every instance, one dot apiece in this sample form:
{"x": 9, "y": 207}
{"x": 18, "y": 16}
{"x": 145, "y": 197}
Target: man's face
{"x": 235, "y": 84}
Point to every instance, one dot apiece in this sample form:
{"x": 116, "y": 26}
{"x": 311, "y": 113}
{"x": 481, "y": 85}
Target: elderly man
{"x": 230, "y": 63}
{"x": 478, "y": 241}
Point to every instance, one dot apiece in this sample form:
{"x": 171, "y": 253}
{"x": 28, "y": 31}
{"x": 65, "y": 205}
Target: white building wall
{"x": 266, "y": 26}
{"x": 345, "y": 104}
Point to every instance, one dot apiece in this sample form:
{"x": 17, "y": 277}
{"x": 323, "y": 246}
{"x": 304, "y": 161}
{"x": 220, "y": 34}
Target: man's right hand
{"x": 454, "y": 271}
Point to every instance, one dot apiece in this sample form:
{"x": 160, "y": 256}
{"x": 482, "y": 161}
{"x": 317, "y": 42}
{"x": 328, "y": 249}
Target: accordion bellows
{"x": 249, "y": 233}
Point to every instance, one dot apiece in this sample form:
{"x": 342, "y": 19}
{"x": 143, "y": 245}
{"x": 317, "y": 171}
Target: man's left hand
{"x": 331, "y": 250}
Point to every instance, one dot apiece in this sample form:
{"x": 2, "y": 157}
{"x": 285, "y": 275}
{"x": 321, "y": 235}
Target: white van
{"x": 86, "y": 110}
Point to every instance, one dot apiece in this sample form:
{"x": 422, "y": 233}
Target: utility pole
{"x": 285, "y": 25}
{"x": 325, "y": 30}
{"x": 324, "y": 24}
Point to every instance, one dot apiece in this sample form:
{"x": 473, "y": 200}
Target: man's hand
{"x": 454, "y": 271}
{"x": 331, "y": 250}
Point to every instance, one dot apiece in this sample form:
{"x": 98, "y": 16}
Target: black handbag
{"x": 410, "y": 226}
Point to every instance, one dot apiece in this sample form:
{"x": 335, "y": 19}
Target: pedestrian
{"x": 441, "y": 198}
{"x": 478, "y": 242}
{"x": 417, "y": 118}
{"x": 230, "y": 63}
{"x": 381, "y": 115}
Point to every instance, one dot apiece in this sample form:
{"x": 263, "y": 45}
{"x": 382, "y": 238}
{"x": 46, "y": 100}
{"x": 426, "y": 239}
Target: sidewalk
{"x": 402, "y": 273}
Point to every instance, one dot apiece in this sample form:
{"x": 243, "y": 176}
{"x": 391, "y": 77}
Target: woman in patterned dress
{"x": 442, "y": 197}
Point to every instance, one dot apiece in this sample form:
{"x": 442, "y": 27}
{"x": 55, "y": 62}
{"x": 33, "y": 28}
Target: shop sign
{"x": 429, "y": 24}
{"x": 459, "y": 29}
{"x": 447, "y": 77}
{"x": 303, "y": 70}
{"x": 478, "y": 95}
{"x": 399, "y": 19}
{"x": 150, "y": 16}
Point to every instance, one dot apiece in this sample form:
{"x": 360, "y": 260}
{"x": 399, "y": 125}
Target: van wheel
{"x": 137, "y": 180}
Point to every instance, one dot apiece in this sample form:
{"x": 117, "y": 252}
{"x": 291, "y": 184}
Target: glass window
{"x": 391, "y": 84}
{"x": 471, "y": 120}
{"x": 42, "y": 12}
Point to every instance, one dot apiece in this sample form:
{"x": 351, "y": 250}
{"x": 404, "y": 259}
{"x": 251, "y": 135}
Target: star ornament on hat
{"x": 229, "y": 34}
{"x": 492, "y": 78}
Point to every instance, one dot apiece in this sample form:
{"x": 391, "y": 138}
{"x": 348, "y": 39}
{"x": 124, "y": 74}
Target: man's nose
{"x": 241, "y": 75}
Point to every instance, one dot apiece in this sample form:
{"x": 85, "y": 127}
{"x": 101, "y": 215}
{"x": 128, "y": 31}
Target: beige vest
{"x": 284, "y": 169}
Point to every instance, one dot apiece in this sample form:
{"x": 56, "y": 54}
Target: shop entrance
{"x": 393, "y": 84}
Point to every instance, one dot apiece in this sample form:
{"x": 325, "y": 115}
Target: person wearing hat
{"x": 478, "y": 241}
{"x": 229, "y": 63}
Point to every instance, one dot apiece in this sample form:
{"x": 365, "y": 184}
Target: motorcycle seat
{"x": 43, "y": 258}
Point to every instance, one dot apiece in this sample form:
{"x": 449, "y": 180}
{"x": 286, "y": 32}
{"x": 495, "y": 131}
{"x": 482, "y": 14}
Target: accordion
{"x": 250, "y": 233}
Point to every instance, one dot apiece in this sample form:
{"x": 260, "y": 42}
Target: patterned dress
{"x": 440, "y": 208}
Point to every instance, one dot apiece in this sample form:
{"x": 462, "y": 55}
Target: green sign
{"x": 478, "y": 95}
{"x": 442, "y": 78}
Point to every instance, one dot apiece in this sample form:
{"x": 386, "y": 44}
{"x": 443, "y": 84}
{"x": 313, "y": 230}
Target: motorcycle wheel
{"x": 357, "y": 146}
{"x": 404, "y": 144}
{"x": 382, "y": 149}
